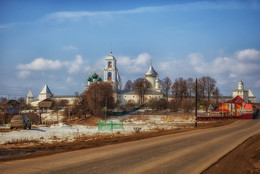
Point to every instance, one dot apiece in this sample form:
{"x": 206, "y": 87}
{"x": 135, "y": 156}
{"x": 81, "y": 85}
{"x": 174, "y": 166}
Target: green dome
{"x": 90, "y": 79}
{"x": 95, "y": 76}
{"x": 99, "y": 79}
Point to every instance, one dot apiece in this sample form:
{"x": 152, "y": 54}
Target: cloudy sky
{"x": 60, "y": 42}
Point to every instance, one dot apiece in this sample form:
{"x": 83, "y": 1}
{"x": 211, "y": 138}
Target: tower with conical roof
{"x": 111, "y": 74}
{"x": 153, "y": 77}
{"x": 29, "y": 97}
{"x": 45, "y": 93}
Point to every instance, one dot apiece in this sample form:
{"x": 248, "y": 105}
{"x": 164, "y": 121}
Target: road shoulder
{"x": 245, "y": 158}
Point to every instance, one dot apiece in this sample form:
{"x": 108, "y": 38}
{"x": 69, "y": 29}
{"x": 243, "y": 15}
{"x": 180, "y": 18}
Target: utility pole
{"x": 222, "y": 106}
{"x": 106, "y": 110}
{"x": 69, "y": 113}
{"x": 196, "y": 102}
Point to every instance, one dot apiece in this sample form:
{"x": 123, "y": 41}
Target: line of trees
{"x": 185, "y": 88}
{"x": 182, "y": 92}
{"x": 181, "y": 88}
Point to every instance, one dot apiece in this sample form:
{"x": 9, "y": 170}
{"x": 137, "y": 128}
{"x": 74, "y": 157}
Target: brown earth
{"x": 242, "y": 160}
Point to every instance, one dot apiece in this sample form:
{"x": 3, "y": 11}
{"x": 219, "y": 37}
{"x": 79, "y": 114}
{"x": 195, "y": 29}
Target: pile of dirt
{"x": 243, "y": 159}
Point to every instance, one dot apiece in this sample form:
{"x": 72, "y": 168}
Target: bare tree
{"x": 166, "y": 84}
{"x": 128, "y": 85}
{"x": 141, "y": 87}
{"x": 179, "y": 88}
{"x": 210, "y": 86}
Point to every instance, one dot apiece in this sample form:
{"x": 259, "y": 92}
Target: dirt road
{"x": 187, "y": 152}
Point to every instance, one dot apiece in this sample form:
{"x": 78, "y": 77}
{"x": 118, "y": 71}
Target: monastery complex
{"x": 111, "y": 76}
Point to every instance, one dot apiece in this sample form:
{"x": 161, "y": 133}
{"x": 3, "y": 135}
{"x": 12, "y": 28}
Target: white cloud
{"x": 62, "y": 16}
{"x": 77, "y": 15}
{"x": 41, "y": 64}
{"x": 75, "y": 65}
{"x": 231, "y": 66}
{"x": 197, "y": 60}
{"x": 136, "y": 65}
{"x": 248, "y": 54}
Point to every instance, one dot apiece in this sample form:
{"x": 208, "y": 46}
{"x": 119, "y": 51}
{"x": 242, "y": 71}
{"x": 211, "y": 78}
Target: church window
{"x": 109, "y": 64}
{"x": 109, "y": 76}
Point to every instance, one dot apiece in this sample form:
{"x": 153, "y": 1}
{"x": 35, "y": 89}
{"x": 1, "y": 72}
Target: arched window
{"x": 109, "y": 64}
{"x": 109, "y": 76}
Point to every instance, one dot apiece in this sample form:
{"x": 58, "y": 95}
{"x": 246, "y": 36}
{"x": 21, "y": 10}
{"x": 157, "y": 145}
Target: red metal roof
{"x": 238, "y": 100}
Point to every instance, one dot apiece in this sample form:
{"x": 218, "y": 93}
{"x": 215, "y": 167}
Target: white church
{"x": 247, "y": 95}
{"x": 111, "y": 76}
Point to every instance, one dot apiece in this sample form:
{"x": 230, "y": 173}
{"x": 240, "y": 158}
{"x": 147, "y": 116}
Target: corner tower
{"x": 29, "y": 97}
{"x": 45, "y": 93}
{"x": 111, "y": 74}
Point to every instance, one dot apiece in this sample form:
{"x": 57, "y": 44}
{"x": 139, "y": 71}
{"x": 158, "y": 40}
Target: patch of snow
{"x": 61, "y": 131}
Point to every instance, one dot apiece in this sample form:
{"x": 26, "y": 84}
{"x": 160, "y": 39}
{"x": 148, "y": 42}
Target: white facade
{"x": 70, "y": 99}
{"x": 127, "y": 96}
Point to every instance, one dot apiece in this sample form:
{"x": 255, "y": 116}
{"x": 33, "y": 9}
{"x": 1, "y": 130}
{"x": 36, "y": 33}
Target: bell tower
{"x": 111, "y": 74}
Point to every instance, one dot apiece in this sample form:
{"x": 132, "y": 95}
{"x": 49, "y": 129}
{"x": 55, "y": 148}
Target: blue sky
{"x": 60, "y": 42}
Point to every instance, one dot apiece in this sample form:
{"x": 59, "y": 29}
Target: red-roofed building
{"x": 234, "y": 107}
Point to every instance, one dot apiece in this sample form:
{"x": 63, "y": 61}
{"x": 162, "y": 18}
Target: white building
{"x": 155, "y": 92}
{"x": 247, "y": 95}
{"x": 47, "y": 94}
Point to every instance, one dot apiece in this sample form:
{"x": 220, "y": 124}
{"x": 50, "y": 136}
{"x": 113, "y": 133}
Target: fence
{"x": 109, "y": 125}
